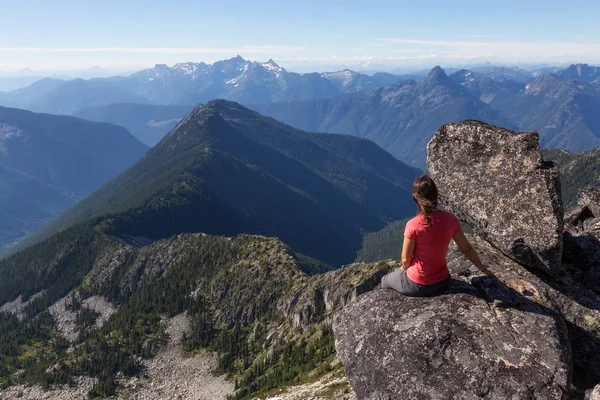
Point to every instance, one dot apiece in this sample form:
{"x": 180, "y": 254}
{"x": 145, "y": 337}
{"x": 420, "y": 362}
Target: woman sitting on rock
{"x": 426, "y": 241}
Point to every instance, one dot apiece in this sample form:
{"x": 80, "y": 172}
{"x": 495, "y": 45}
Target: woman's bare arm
{"x": 465, "y": 247}
{"x": 408, "y": 250}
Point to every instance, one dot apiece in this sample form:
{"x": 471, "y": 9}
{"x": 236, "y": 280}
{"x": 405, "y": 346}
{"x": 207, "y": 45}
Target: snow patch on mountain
{"x": 273, "y": 67}
{"x": 9, "y": 131}
{"x": 188, "y": 68}
{"x": 346, "y": 76}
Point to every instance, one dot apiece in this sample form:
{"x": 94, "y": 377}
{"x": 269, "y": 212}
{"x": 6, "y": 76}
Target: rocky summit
{"x": 496, "y": 180}
{"x": 532, "y": 333}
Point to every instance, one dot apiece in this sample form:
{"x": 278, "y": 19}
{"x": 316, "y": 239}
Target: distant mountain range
{"x": 401, "y": 118}
{"x": 189, "y": 83}
{"x": 226, "y": 170}
{"x": 8, "y": 83}
{"x": 561, "y": 106}
{"x": 400, "y": 113}
{"x": 48, "y": 163}
{"x": 580, "y": 72}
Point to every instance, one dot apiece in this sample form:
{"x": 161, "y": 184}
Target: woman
{"x": 426, "y": 241}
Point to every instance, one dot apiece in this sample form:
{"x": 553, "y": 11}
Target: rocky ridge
{"x": 259, "y": 288}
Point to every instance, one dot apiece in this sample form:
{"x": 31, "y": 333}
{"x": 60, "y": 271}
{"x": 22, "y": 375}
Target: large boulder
{"x": 496, "y": 180}
{"x": 477, "y": 341}
{"x": 593, "y": 394}
{"x": 567, "y": 295}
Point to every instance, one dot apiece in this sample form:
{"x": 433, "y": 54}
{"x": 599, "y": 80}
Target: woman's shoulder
{"x": 446, "y": 214}
{"x": 448, "y": 217}
{"x": 415, "y": 221}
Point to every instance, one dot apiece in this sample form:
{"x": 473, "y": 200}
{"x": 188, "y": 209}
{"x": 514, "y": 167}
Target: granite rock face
{"x": 582, "y": 238}
{"x": 594, "y": 394}
{"x": 496, "y": 180}
{"x": 590, "y": 197}
{"x": 478, "y": 341}
{"x": 567, "y": 295}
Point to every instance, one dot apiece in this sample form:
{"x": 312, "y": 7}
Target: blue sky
{"x": 309, "y": 35}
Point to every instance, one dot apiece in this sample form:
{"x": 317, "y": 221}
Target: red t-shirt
{"x": 429, "y": 265}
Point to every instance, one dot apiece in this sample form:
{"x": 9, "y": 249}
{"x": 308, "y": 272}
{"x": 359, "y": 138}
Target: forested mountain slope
{"x": 564, "y": 112}
{"x": 225, "y": 170}
{"x": 48, "y": 163}
{"x": 577, "y": 170}
{"x": 245, "y": 298}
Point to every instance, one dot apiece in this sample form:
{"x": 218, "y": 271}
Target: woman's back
{"x": 428, "y": 265}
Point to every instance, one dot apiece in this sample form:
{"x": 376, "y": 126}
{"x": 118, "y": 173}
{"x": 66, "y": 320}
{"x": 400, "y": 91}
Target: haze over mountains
{"x": 399, "y": 113}
{"x": 189, "y": 83}
{"x": 48, "y": 163}
{"x": 402, "y": 118}
{"x": 147, "y": 122}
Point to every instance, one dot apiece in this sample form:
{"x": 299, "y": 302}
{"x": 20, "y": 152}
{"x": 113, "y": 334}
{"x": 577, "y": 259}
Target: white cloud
{"x": 154, "y": 50}
{"x": 377, "y": 54}
{"x": 546, "y": 51}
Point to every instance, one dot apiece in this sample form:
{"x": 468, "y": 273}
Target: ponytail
{"x": 425, "y": 194}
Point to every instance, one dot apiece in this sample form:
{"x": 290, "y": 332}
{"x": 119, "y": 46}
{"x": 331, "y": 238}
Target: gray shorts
{"x": 399, "y": 281}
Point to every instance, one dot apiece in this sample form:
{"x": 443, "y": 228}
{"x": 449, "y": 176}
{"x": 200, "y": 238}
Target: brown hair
{"x": 425, "y": 194}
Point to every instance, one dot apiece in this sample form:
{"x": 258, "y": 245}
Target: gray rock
{"x": 582, "y": 238}
{"x": 478, "y": 341}
{"x": 590, "y": 197}
{"x": 593, "y": 394}
{"x": 496, "y": 180}
{"x": 579, "y": 309}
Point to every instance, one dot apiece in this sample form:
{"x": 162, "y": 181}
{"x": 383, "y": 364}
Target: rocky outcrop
{"x": 582, "y": 239}
{"x": 480, "y": 340}
{"x": 590, "y": 197}
{"x": 578, "y": 306}
{"x": 316, "y": 299}
{"x": 534, "y": 333}
{"x": 593, "y": 394}
{"x": 496, "y": 180}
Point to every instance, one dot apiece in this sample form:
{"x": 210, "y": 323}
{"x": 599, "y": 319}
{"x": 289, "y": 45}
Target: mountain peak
{"x": 436, "y": 72}
{"x": 437, "y": 76}
{"x": 579, "y": 72}
{"x": 273, "y": 67}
